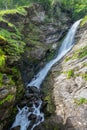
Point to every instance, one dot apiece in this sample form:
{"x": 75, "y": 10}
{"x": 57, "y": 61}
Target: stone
{"x": 3, "y": 93}
{"x": 33, "y": 89}
{"x": 5, "y": 79}
{"x": 67, "y": 90}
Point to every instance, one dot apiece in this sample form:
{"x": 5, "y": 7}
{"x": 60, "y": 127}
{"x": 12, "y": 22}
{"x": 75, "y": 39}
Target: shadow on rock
{"x": 56, "y": 123}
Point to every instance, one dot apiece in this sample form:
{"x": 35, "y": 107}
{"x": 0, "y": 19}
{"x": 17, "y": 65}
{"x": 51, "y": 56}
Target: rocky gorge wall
{"x": 67, "y": 88}
{"x": 28, "y": 39}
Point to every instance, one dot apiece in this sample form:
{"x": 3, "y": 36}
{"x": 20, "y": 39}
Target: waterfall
{"x": 23, "y": 116}
{"x": 65, "y": 47}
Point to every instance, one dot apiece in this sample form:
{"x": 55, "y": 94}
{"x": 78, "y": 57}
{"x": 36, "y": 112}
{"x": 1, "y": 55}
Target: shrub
{"x": 70, "y": 73}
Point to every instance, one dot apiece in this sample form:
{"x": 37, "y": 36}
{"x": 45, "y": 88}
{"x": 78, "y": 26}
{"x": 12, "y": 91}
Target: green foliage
{"x": 8, "y": 35}
{"x": 80, "y": 53}
{"x": 9, "y": 98}
{"x": 84, "y": 20}
{"x": 80, "y": 101}
{"x": 84, "y": 76}
{"x": 9, "y": 4}
{"x": 77, "y": 8}
{"x": 67, "y": 59}
{"x": 2, "y": 38}
{"x": 83, "y": 52}
{"x": 2, "y": 59}
{"x": 70, "y": 73}
{"x": 45, "y": 3}
{"x": 15, "y": 46}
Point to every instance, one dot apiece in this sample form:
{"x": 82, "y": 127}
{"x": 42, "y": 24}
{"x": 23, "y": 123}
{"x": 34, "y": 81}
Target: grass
{"x": 70, "y": 73}
{"x": 67, "y": 59}
{"x": 84, "y": 76}
{"x": 9, "y": 98}
{"x": 84, "y": 20}
{"x": 80, "y": 53}
{"x": 2, "y": 38}
{"x": 15, "y": 46}
{"x": 19, "y": 10}
{"x": 2, "y": 59}
{"x": 8, "y": 35}
{"x": 80, "y": 101}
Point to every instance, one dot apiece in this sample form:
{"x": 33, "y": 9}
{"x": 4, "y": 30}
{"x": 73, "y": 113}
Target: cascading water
{"x": 22, "y": 118}
{"x": 65, "y": 47}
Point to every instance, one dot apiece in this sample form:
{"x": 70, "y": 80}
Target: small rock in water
{"x": 16, "y": 128}
{"x": 33, "y": 89}
{"x": 32, "y": 117}
{"x": 28, "y": 95}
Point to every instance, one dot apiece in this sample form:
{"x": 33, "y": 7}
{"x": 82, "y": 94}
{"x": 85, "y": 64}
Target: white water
{"x": 23, "y": 114}
{"x": 22, "y": 117}
{"x": 65, "y": 47}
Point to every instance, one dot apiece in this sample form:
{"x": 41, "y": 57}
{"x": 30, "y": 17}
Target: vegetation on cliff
{"x": 77, "y": 8}
{"x": 25, "y": 46}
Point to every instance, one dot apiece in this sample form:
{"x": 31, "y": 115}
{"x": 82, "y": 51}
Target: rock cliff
{"x": 67, "y": 83}
{"x": 28, "y": 39}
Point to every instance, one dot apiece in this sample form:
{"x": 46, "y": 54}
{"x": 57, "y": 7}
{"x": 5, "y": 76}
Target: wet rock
{"x": 28, "y": 95}
{"x": 33, "y": 89}
{"x": 32, "y": 117}
{"x": 16, "y": 128}
{"x": 36, "y": 95}
{"x": 44, "y": 105}
{"x": 29, "y": 60}
{"x": 5, "y": 79}
{"x": 39, "y": 52}
{"x": 3, "y": 93}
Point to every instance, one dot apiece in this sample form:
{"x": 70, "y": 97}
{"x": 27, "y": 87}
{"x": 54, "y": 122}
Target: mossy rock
{"x": 51, "y": 124}
{"x": 48, "y": 98}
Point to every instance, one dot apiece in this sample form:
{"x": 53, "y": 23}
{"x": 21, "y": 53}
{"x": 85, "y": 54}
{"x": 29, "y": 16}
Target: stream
{"x": 23, "y": 116}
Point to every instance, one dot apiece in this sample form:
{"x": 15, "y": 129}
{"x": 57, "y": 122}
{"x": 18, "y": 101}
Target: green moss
{"x": 47, "y": 19}
{"x": 9, "y": 98}
{"x": 19, "y": 10}
{"x": 15, "y": 46}
{"x": 1, "y": 79}
{"x": 12, "y": 82}
{"x": 2, "y": 38}
{"x": 50, "y": 56}
{"x": 80, "y": 101}
{"x": 84, "y": 20}
{"x": 84, "y": 64}
{"x": 67, "y": 59}
{"x": 84, "y": 76}
{"x": 15, "y": 49}
{"x": 8, "y": 35}
{"x": 49, "y": 106}
{"x": 2, "y": 59}
{"x": 47, "y": 90}
{"x": 70, "y": 73}
{"x": 80, "y": 53}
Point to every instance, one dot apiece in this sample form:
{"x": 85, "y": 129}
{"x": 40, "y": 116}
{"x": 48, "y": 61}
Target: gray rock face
{"x": 70, "y": 91}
